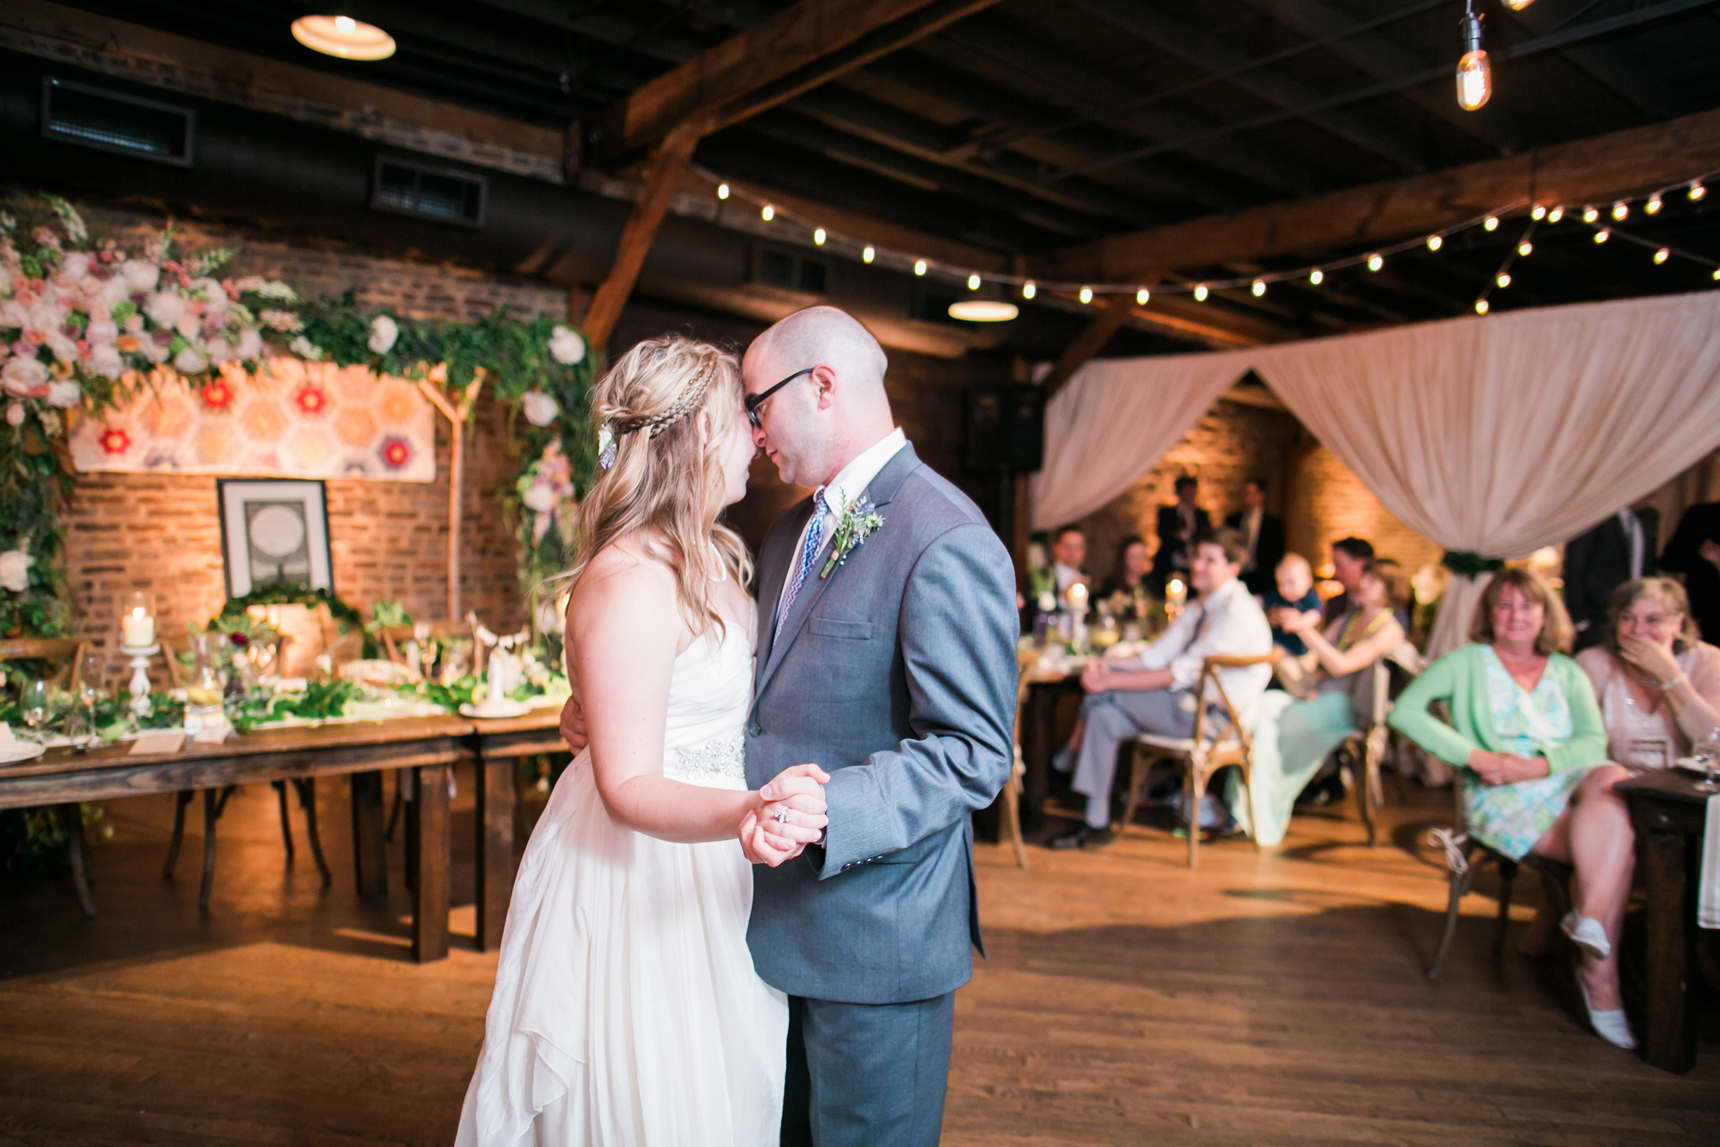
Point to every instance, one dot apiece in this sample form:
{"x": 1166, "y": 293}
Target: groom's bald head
{"x": 816, "y": 424}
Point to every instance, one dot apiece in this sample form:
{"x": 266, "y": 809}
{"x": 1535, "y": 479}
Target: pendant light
{"x": 1474, "y": 74}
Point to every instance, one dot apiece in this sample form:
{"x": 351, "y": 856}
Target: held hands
{"x": 1506, "y": 768}
{"x": 788, "y": 815}
{"x": 1096, "y": 676}
{"x": 573, "y": 726}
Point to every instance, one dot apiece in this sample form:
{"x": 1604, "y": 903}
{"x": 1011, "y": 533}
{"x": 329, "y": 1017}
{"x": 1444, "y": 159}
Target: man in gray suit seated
{"x": 1154, "y": 693}
{"x": 886, "y": 655}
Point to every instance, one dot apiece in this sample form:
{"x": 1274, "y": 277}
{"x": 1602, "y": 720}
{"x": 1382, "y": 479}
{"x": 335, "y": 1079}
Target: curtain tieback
{"x": 1470, "y": 565}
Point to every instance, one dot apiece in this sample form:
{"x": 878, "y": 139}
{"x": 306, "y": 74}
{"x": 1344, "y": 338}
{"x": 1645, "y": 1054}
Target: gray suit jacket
{"x": 897, "y": 674}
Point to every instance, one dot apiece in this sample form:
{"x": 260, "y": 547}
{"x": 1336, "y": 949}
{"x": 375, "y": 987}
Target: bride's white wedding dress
{"x": 626, "y": 1009}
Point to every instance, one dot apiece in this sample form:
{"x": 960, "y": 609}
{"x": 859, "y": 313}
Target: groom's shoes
{"x": 1081, "y": 836}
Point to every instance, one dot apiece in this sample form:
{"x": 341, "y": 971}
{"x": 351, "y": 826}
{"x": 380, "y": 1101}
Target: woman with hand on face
{"x": 1527, "y": 733}
{"x": 1658, "y": 683}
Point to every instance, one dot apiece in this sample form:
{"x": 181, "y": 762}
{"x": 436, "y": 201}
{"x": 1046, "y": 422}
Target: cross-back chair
{"x": 1213, "y": 745}
{"x": 1388, "y": 677}
{"x": 67, "y": 655}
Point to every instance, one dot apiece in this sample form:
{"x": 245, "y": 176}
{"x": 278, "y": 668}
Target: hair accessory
{"x": 605, "y": 447}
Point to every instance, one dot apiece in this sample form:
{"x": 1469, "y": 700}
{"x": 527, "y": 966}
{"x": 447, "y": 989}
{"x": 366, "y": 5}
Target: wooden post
{"x": 456, "y": 416}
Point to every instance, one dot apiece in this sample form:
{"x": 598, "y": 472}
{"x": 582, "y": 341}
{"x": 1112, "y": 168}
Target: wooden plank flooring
{"x": 1268, "y": 998}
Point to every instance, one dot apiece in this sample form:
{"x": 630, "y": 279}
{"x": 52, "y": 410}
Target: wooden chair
{"x": 1012, "y": 788}
{"x": 215, "y": 801}
{"x": 1464, "y": 856}
{"x": 1367, "y": 747}
{"x": 1213, "y": 746}
{"x": 68, "y": 656}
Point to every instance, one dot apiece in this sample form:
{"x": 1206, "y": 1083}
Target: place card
{"x": 161, "y": 742}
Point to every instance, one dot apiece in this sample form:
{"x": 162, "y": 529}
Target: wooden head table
{"x": 428, "y": 746}
{"x": 498, "y": 745}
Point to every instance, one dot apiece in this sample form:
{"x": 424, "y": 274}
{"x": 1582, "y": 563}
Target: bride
{"x": 626, "y": 1009}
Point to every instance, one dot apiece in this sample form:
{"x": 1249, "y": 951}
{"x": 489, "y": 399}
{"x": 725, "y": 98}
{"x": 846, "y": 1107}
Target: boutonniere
{"x": 854, "y": 525}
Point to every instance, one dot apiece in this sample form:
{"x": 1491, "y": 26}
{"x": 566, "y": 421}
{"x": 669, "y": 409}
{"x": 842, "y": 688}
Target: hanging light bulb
{"x": 818, "y": 236}
{"x": 1503, "y": 280}
{"x": 1525, "y": 247}
{"x": 1518, "y": 5}
{"x": 1141, "y": 297}
{"x": 1537, "y": 213}
{"x": 1474, "y": 74}
{"x": 767, "y": 213}
{"x": 1653, "y": 204}
{"x": 1590, "y": 215}
{"x": 722, "y": 191}
{"x": 1086, "y": 295}
{"x": 1259, "y": 287}
{"x": 868, "y": 255}
{"x": 1316, "y": 276}
{"x": 1716, "y": 275}
{"x": 1602, "y": 235}
{"x": 1697, "y": 191}
{"x": 1029, "y": 289}
{"x": 1555, "y": 214}
{"x": 1491, "y": 223}
{"x": 1620, "y": 209}
{"x": 1375, "y": 262}
{"x": 1662, "y": 255}
{"x": 1200, "y": 293}
{"x": 973, "y": 282}
{"x": 1434, "y": 242}
{"x": 919, "y": 266}
{"x": 1480, "y": 306}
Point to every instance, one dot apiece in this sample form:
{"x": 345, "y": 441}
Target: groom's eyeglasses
{"x": 754, "y": 401}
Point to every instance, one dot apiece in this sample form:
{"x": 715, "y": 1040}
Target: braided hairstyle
{"x": 671, "y": 403}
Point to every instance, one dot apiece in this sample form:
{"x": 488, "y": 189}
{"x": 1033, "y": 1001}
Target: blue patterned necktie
{"x": 808, "y": 551}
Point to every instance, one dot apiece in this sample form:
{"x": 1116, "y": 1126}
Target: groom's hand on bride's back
{"x": 789, "y": 815}
{"x": 573, "y": 726}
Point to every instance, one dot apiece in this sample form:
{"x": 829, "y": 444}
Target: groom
{"x": 890, "y": 662}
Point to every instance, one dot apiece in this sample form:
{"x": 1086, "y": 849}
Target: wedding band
{"x": 779, "y": 817}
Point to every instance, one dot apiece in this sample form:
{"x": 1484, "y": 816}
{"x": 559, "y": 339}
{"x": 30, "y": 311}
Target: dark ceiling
{"x": 1037, "y": 124}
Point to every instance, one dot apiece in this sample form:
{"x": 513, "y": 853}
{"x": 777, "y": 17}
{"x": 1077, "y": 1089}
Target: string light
{"x": 1716, "y": 275}
{"x": 919, "y": 266}
{"x": 767, "y": 213}
{"x": 1503, "y": 280}
{"x": 1200, "y": 293}
{"x": 1480, "y": 306}
{"x": 1537, "y": 213}
{"x": 1492, "y": 223}
{"x": 1375, "y": 262}
{"x": 1316, "y": 276}
{"x": 1141, "y": 297}
{"x": 1697, "y": 191}
{"x": 973, "y": 282}
{"x": 1434, "y": 242}
{"x": 1525, "y": 247}
{"x": 1474, "y": 74}
{"x": 1555, "y": 214}
{"x": 1086, "y": 295}
{"x": 818, "y": 236}
{"x": 1518, "y": 5}
{"x": 1602, "y": 235}
{"x": 1590, "y": 215}
{"x": 1620, "y": 210}
{"x": 1259, "y": 287}
{"x": 722, "y": 191}
{"x": 1029, "y": 289}
{"x": 1653, "y": 204}
{"x": 1662, "y": 255}
{"x": 868, "y": 255}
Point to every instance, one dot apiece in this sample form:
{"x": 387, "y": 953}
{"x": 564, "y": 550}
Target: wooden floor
{"x": 1264, "y": 999}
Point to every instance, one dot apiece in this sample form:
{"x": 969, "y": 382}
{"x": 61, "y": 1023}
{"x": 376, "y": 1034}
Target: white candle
{"x": 137, "y": 629}
{"x": 1078, "y": 597}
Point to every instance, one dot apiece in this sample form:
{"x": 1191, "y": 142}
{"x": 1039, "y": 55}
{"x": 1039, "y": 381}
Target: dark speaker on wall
{"x": 1006, "y": 427}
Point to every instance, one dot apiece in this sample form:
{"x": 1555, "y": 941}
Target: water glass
{"x": 34, "y": 704}
{"x": 1708, "y": 756}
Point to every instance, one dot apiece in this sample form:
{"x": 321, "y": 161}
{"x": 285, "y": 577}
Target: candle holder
{"x": 137, "y": 641}
{"x": 139, "y": 686}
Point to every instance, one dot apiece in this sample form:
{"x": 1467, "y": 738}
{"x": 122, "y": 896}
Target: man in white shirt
{"x": 1156, "y": 694}
{"x": 1068, "y": 555}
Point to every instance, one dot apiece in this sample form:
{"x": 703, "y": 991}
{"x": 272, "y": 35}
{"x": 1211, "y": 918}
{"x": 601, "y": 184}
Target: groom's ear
{"x": 826, "y": 380}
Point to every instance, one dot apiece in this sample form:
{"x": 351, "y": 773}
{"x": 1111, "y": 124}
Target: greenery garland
{"x": 346, "y": 618}
{"x": 1470, "y": 565}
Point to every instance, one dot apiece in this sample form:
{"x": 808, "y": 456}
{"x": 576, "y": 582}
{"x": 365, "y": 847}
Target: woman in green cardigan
{"x": 1527, "y": 735}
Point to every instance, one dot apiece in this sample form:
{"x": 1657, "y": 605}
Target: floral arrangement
{"x": 87, "y": 323}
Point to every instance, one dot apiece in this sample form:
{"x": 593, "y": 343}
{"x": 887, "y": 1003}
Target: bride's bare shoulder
{"x": 626, "y": 571}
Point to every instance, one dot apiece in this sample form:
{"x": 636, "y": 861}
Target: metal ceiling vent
{"x": 110, "y": 121}
{"x": 444, "y": 194}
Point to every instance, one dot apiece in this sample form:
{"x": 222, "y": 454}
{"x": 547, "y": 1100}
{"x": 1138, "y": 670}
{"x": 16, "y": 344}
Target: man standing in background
{"x": 1694, "y": 551}
{"x": 1616, "y": 550}
{"x": 1265, "y": 536}
{"x": 1179, "y": 525}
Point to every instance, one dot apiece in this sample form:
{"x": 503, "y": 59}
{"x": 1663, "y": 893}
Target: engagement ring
{"x": 780, "y": 817}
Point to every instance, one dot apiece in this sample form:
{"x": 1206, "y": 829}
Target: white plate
{"x": 494, "y": 709}
{"x": 11, "y": 752}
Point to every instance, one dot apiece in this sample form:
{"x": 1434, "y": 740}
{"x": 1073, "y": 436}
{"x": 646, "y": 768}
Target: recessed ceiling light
{"x": 983, "y": 311}
{"x": 344, "y": 37}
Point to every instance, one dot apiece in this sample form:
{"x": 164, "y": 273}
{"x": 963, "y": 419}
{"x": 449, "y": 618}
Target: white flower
{"x": 105, "y": 361}
{"x": 139, "y": 274}
{"x": 250, "y": 344}
{"x": 152, "y": 350}
{"x": 565, "y": 346}
{"x": 22, "y": 375}
{"x": 213, "y": 294}
{"x": 101, "y": 332}
{"x": 305, "y": 348}
{"x": 189, "y": 361}
{"x": 64, "y": 348}
{"x": 73, "y": 267}
{"x": 13, "y": 315}
{"x": 540, "y": 408}
{"x": 165, "y": 309}
{"x": 219, "y": 351}
{"x": 134, "y": 324}
{"x": 15, "y": 570}
{"x": 64, "y": 394}
{"x": 188, "y": 325}
{"x": 383, "y": 332}
{"x": 113, "y": 292}
{"x": 539, "y": 497}
{"x": 15, "y": 414}
{"x": 281, "y": 320}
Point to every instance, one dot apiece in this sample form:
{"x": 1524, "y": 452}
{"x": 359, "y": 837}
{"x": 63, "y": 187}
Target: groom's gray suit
{"x": 897, "y": 674}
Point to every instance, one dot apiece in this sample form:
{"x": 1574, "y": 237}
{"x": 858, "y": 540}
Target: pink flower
{"x": 15, "y": 414}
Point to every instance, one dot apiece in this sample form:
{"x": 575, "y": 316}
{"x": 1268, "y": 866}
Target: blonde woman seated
{"x": 1527, "y": 734}
{"x": 1294, "y": 737}
{"x": 1658, "y": 683}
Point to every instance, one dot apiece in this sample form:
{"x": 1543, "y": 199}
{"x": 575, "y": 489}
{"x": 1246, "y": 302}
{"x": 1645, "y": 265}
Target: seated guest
{"x": 1068, "y": 554}
{"x": 1292, "y": 596}
{"x": 1264, "y": 533}
{"x": 1154, "y": 691}
{"x": 1620, "y": 548}
{"x": 1349, "y": 555}
{"x": 1130, "y": 574}
{"x": 1658, "y": 683}
{"x": 1293, "y": 739}
{"x": 1178, "y": 527}
{"x": 1528, "y": 736}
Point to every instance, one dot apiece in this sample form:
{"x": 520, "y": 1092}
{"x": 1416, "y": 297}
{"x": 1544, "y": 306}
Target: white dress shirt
{"x": 850, "y": 482}
{"x": 1633, "y": 533}
{"x": 1251, "y": 527}
{"x": 1066, "y": 576}
{"x": 1228, "y": 620}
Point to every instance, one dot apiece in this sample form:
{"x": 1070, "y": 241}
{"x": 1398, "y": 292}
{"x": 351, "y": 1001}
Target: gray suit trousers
{"x": 1109, "y": 720}
{"x": 867, "y": 1075}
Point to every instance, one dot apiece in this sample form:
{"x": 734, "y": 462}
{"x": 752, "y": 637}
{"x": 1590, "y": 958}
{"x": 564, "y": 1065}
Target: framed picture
{"x": 274, "y": 532}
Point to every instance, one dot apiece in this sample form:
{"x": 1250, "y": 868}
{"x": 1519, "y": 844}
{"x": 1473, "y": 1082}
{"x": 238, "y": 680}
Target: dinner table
{"x": 497, "y": 745}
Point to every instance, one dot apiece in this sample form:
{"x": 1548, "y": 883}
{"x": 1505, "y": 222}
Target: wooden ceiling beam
{"x": 1598, "y": 169}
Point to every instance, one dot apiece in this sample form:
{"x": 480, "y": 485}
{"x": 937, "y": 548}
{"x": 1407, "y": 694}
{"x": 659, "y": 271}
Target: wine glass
{"x": 1708, "y": 756}
{"x": 426, "y": 647}
{"x": 89, "y": 697}
{"x": 34, "y": 703}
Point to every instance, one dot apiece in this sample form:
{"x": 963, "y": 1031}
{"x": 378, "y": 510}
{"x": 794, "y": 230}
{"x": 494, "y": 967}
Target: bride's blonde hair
{"x": 670, "y": 404}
